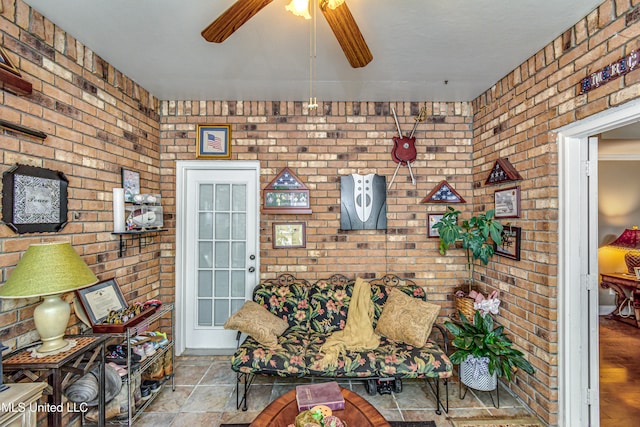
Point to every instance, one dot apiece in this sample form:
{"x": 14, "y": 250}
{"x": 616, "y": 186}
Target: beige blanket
{"x": 357, "y": 334}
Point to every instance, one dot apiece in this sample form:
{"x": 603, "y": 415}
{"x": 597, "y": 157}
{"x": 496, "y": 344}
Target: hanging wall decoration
{"x": 502, "y": 171}
{"x": 363, "y": 202}
{"x": 34, "y": 200}
{"x": 404, "y": 147}
{"x": 286, "y": 194}
{"x": 443, "y": 193}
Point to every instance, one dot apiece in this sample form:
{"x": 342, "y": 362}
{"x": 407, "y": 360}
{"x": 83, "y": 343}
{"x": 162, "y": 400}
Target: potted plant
{"x": 484, "y": 352}
{"x": 474, "y": 235}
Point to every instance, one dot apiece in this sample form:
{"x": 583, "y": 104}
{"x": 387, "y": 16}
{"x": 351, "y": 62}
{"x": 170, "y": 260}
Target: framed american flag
{"x": 214, "y": 141}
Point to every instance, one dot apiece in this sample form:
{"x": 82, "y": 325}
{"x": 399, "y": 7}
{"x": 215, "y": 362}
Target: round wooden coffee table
{"x": 357, "y": 412}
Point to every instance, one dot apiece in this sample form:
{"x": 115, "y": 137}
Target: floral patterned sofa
{"x": 313, "y": 312}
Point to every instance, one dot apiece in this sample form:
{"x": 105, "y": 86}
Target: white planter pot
{"x": 474, "y": 375}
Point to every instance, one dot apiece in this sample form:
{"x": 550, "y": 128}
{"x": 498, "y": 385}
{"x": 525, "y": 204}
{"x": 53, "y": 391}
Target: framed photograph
{"x": 214, "y": 141}
{"x": 6, "y": 64}
{"x": 510, "y": 246}
{"x": 289, "y": 235}
{"x": 34, "y": 200}
{"x": 432, "y": 220}
{"x": 98, "y": 300}
{"x": 131, "y": 184}
{"x": 507, "y": 202}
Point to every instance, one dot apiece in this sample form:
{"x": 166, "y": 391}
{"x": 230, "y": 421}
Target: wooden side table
{"x": 619, "y": 282}
{"x": 20, "y": 404}
{"x": 58, "y": 370}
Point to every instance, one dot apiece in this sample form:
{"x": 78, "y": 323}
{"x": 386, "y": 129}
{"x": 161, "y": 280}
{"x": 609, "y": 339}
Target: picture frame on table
{"x": 130, "y": 184}
{"x": 213, "y": 141}
{"x": 34, "y": 200}
{"x": 99, "y": 299}
{"x": 289, "y": 235}
{"x": 510, "y": 246}
{"x": 637, "y": 271}
{"x": 433, "y": 219}
{"x": 507, "y": 202}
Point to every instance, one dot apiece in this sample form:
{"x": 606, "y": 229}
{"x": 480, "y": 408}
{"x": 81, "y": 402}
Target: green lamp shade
{"x": 48, "y": 269}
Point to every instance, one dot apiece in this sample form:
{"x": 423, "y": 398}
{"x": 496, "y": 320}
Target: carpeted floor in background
{"x": 497, "y": 422}
{"x": 393, "y": 424}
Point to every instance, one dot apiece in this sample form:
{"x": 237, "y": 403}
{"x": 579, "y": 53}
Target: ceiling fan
{"x": 336, "y": 13}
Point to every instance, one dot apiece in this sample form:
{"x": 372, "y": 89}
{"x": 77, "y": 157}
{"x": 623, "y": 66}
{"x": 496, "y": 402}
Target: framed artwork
{"x": 443, "y": 193}
{"x": 507, "y": 202}
{"x": 510, "y": 246}
{"x": 34, "y": 200}
{"x": 98, "y": 300}
{"x": 433, "y": 219}
{"x": 131, "y": 184}
{"x": 6, "y": 64}
{"x": 289, "y": 235}
{"x": 213, "y": 141}
{"x": 286, "y": 194}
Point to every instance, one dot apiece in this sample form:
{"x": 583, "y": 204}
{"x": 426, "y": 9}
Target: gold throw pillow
{"x": 407, "y": 319}
{"x": 258, "y": 322}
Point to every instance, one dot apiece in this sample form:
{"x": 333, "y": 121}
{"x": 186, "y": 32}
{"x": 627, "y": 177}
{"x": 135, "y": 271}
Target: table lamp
{"x": 49, "y": 270}
{"x": 629, "y": 239}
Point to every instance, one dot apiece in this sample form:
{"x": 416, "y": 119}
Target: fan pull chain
{"x": 313, "y": 102}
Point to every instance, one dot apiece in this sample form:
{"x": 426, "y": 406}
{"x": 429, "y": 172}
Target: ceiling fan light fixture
{"x": 331, "y": 4}
{"x": 299, "y": 8}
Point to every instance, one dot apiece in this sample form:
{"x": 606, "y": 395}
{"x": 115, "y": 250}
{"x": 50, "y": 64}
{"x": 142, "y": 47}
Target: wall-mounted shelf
{"x": 144, "y": 238}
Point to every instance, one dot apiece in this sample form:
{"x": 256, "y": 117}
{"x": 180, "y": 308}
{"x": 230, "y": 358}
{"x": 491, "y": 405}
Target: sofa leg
{"x": 436, "y": 392}
{"x": 245, "y": 380}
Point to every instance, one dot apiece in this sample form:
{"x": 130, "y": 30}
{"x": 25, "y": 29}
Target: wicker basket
{"x": 465, "y": 305}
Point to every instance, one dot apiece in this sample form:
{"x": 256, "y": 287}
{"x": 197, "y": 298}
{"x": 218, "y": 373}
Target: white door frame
{"x": 182, "y": 167}
{"x": 574, "y": 229}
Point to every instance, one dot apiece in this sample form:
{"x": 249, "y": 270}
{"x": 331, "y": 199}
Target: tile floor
{"x": 205, "y": 396}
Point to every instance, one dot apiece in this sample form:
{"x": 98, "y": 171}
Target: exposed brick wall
{"x": 97, "y": 120}
{"x": 340, "y": 138}
{"x": 517, "y": 118}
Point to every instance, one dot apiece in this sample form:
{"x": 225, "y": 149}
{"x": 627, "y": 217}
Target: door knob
{"x": 252, "y": 257}
{"x": 252, "y": 269}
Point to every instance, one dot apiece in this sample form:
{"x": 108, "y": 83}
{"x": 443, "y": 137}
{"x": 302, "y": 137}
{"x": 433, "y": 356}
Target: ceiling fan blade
{"x": 346, "y": 30}
{"x": 232, "y": 19}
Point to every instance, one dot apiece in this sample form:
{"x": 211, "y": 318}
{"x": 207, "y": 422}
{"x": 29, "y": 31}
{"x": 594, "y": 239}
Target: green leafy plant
{"x": 481, "y": 339}
{"x": 476, "y": 235}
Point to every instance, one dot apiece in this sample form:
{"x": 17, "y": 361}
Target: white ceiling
{"x": 417, "y": 45}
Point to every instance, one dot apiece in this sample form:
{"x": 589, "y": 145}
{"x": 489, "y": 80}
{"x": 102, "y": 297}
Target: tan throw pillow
{"x": 258, "y": 322}
{"x": 407, "y": 319}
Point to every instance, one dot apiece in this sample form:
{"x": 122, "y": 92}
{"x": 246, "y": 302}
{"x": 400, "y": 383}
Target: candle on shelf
{"x": 118, "y": 210}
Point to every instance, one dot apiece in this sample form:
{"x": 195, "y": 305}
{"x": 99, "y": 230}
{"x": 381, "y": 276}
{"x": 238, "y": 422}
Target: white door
{"x": 218, "y": 248}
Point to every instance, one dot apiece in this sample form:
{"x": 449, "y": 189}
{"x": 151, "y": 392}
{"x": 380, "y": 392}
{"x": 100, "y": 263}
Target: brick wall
{"x": 97, "y": 121}
{"x": 516, "y": 118}
{"x": 320, "y": 146}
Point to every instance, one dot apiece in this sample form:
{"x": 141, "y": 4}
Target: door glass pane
{"x": 222, "y": 254}
{"x": 221, "y": 310}
{"x": 206, "y": 197}
{"x": 206, "y": 255}
{"x": 204, "y": 312}
{"x": 239, "y": 226}
{"x": 222, "y": 283}
{"x": 222, "y": 226}
{"x": 238, "y": 256}
{"x": 239, "y": 197}
{"x": 205, "y": 284}
{"x": 236, "y": 304}
{"x": 237, "y": 283}
{"x": 223, "y": 196}
{"x": 205, "y": 225}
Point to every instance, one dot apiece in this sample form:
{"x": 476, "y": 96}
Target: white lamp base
{"x": 51, "y": 319}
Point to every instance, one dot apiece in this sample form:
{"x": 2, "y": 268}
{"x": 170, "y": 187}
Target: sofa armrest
{"x": 440, "y": 336}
